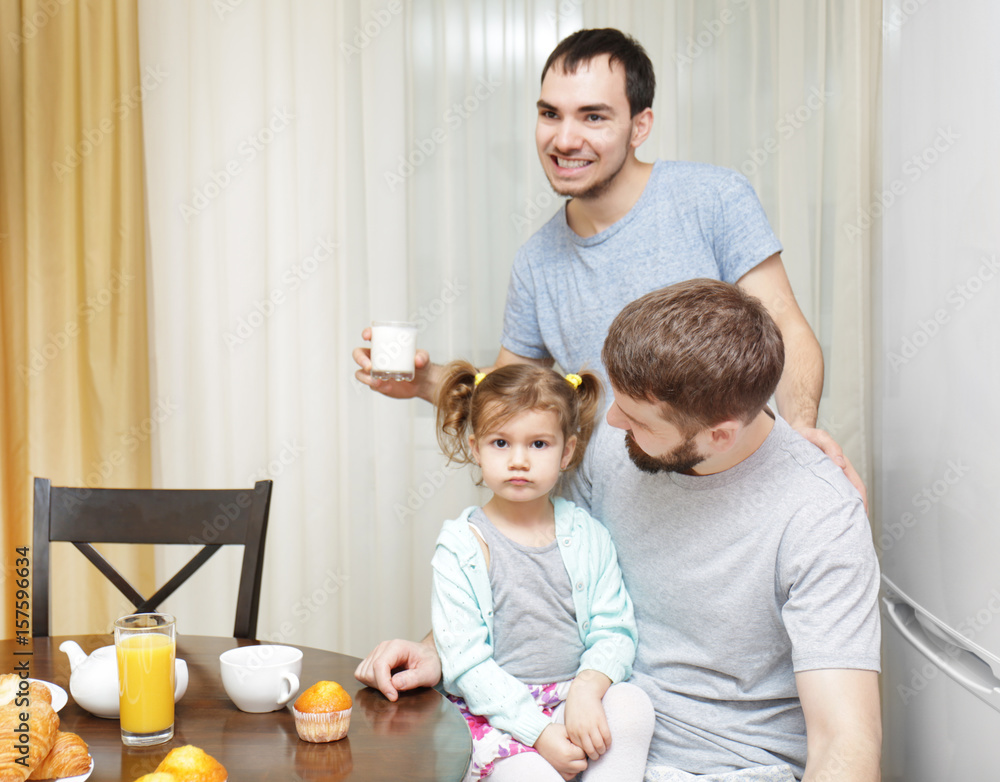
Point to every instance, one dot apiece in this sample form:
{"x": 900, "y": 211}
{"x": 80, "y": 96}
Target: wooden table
{"x": 420, "y": 737}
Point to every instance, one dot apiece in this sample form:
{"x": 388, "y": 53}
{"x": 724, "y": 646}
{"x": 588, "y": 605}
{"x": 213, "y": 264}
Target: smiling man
{"x": 627, "y": 228}
{"x": 747, "y": 552}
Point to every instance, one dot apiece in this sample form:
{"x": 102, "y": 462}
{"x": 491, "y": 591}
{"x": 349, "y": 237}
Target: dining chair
{"x": 210, "y": 517}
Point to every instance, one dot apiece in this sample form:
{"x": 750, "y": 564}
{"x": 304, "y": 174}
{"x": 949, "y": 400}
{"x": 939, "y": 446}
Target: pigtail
{"x": 588, "y": 400}
{"x": 454, "y": 408}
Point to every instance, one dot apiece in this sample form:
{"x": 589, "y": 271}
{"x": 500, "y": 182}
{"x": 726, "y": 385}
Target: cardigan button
{"x": 567, "y": 541}
{"x": 579, "y": 586}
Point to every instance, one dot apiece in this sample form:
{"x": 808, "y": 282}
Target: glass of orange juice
{"x": 145, "y": 645}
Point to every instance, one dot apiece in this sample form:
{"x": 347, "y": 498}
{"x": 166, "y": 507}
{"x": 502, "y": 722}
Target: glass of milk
{"x": 394, "y": 348}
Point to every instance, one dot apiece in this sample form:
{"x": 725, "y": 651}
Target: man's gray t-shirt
{"x": 739, "y": 580}
{"x": 692, "y": 220}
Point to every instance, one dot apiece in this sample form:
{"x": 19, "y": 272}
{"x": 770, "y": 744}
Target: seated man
{"x": 747, "y": 553}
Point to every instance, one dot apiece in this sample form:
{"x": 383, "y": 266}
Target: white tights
{"x": 630, "y": 719}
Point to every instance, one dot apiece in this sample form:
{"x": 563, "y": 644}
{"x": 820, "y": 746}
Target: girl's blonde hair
{"x": 464, "y": 408}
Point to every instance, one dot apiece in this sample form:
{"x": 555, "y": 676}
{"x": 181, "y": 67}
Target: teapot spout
{"x": 74, "y": 652}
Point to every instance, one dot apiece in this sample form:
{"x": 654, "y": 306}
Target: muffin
{"x": 322, "y": 713}
{"x": 191, "y": 763}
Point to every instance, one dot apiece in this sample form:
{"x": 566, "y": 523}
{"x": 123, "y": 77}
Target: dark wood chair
{"x": 210, "y": 517}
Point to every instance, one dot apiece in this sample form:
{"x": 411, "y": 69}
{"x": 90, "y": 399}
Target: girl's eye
{"x": 539, "y": 444}
{"x": 500, "y": 443}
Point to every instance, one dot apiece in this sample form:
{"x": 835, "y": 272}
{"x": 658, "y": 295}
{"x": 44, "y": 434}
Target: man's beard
{"x": 684, "y": 458}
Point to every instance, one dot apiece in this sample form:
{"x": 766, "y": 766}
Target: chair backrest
{"x": 210, "y": 517}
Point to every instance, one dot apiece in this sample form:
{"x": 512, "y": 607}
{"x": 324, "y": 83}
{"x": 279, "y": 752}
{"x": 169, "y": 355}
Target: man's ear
{"x": 642, "y": 126}
{"x": 722, "y": 437}
{"x": 568, "y": 451}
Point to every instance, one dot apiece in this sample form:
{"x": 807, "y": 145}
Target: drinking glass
{"x": 146, "y": 647}
{"x": 394, "y": 348}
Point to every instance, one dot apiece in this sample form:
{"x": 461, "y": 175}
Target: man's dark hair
{"x": 584, "y": 45}
{"x": 706, "y": 349}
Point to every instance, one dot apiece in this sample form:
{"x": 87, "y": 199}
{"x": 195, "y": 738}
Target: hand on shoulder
{"x": 829, "y": 446}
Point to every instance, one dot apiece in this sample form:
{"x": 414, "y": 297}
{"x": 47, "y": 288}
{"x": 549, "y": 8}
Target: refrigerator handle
{"x": 959, "y": 662}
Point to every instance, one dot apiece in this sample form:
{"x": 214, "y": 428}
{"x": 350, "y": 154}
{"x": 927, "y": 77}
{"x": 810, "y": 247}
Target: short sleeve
{"x": 830, "y": 571}
{"x": 743, "y": 236}
{"x": 522, "y": 333}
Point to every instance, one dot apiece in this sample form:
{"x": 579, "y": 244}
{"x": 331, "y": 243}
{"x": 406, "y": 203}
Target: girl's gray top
{"x": 535, "y": 635}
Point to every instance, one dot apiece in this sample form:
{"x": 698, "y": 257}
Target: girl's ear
{"x": 474, "y": 448}
{"x": 568, "y": 452}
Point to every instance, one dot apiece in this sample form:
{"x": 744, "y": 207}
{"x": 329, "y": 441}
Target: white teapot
{"x": 93, "y": 680}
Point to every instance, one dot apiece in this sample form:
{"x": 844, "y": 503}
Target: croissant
{"x": 68, "y": 757}
{"x": 9, "y": 688}
{"x": 24, "y": 743}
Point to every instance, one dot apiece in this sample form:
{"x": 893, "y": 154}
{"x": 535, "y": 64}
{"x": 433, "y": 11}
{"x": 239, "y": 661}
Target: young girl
{"x": 531, "y": 619}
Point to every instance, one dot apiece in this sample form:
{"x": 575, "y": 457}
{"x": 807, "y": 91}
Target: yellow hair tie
{"x": 479, "y": 377}
{"x": 574, "y": 380}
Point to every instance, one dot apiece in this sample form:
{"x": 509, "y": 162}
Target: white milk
{"x": 394, "y": 347}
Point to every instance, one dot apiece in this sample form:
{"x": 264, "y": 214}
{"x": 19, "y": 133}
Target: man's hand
{"x": 562, "y": 754}
{"x": 423, "y": 384}
{"x": 586, "y": 722}
{"x": 828, "y": 445}
{"x": 400, "y": 665}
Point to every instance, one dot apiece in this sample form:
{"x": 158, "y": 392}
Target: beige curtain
{"x": 73, "y": 346}
{"x": 314, "y": 165}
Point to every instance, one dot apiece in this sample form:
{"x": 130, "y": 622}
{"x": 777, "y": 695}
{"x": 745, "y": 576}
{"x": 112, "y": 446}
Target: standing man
{"x": 746, "y": 551}
{"x": 630, "y": 227}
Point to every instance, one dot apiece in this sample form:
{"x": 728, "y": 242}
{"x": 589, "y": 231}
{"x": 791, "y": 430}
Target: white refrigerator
{"x": 937, "y": 416}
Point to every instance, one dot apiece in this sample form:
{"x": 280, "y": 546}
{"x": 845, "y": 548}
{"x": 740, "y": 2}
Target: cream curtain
{"x": 73, "y": 345}
{"x": 314, "y": 165}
